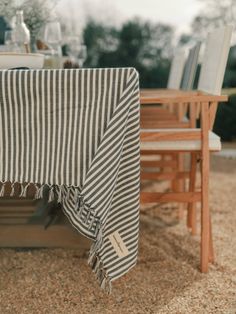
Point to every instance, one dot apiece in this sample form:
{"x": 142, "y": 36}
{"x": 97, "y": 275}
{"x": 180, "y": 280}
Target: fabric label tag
{"x": 118, "y": 244}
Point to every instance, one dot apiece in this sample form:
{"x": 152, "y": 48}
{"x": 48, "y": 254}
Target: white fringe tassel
{"x": 2, "y": 191}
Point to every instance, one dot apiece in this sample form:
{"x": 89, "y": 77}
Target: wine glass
{"x": 73, "y": 44}
{"x": 9, "y": 40}
{"x": 52, "y": 33}
{"x": 82, "y": 54}
{"x": 52, "y": 37}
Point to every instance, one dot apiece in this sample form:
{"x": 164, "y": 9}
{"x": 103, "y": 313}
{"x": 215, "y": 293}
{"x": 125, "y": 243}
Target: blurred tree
{"x": 230, "y": 73}
{"x": 99, "y": 39}
{"x": 138, "y": 44}
{"x": 215, "y": 14}
{"x": 4, "y": 26}
{"x": 185, "y": 39}
{"x": 225, "y": 122}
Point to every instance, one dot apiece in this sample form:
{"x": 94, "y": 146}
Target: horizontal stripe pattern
{"x": 78, "y": 129}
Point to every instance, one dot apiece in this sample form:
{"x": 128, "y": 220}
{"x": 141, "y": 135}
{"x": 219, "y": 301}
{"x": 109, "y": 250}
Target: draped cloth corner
{"x": 76, "y": 132}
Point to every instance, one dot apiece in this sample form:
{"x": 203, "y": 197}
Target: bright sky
{"x": 178, "y": 13}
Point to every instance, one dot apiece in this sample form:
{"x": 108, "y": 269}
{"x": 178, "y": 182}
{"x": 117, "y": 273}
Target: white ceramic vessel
{"x": 9, "y": 60}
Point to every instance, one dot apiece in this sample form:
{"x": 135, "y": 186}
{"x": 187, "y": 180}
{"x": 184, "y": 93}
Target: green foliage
{"x": 142, "y": 45}
{"x": 4, "y": 25}
{"x": 100, "y": 40}
{"x": 225, "y": 122}
{"x": 230, "y": 73}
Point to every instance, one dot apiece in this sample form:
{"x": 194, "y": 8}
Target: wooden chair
{"x": 173, "y": 116}
{"x": 210, "y": 81}
{"x": 151, "y": 120}
{"x": 155, "y": 116}
{"x": 199, "y": 142}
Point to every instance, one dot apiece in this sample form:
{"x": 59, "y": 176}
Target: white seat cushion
{"x": 186, "y": 145}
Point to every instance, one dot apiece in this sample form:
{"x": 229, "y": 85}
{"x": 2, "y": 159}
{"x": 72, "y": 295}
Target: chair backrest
{"x": 176, "y": 70}
{"x": 214, "y": 60}
{"x": 190, "y": 67}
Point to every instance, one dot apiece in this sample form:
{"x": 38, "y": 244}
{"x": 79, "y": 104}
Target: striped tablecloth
{"x": 76, "y": 132}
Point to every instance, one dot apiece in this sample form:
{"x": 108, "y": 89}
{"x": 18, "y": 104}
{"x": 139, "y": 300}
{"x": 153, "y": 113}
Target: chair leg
{"x": 181, "y": 184}
{"x": 211, "y": 247}
{"x": 175, "y": 183}
{"x": 178, "y": 184}
{"x": 191, "y": 211}
{"x": 205, "y": 214}
{"x": 163, "y": 158}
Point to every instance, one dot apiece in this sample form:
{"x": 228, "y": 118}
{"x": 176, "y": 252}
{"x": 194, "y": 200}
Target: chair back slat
{"x": 176, "y": 70}
{"x": 214, "y": 60}
{"x": 190, "y": 67}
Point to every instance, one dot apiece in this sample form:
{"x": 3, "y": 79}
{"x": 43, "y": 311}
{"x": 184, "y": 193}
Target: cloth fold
{"x": 77, "y": 132}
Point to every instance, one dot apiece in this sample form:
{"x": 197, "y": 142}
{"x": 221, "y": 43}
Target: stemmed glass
{"x": 52, "y": 33}
{"x": 82, "y": 55}
{"x": 52, "y": 37}
{"x": 9, "y": 40}
{"x": 77, "y": 51}
{"x": 73, "y": 43}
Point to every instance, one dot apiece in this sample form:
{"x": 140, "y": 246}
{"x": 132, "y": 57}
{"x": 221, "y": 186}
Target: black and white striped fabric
{"x": 77, "y": 132}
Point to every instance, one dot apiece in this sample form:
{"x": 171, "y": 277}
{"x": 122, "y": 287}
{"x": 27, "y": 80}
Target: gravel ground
{"x": 165, "y": 280}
